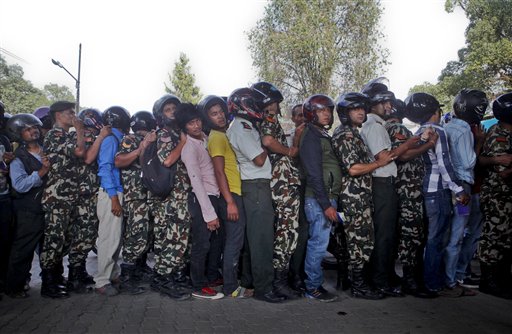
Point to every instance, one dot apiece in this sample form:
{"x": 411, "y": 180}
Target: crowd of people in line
{"x": 232, "y": 206}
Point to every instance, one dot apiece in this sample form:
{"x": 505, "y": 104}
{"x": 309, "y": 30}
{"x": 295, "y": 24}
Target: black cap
{"x": 61, "y": 106}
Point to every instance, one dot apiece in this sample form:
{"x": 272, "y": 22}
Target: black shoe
{"x": 50, "y": 287}
{"x": 360, "y": 289}
{"x": 426, "y": 293}
{"x": 391, "y": 291}
{"x": 280, "y": 285}
{"x": 18, "y": 294}
{"x": 182, "y": 280}
{"x": 270, "y": 297}
{"x": 320, "y": 294}
{"x": 129, "y": 284}
{"x": 297, "y": 284}
{"x": 166, "y": 286}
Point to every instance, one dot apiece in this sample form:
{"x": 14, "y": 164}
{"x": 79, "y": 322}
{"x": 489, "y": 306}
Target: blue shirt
{"x": 462, "y": 150}
{"x": 20, "y": 180}
{"x": 110, "y": 177}
{"x": 439, "y": 172}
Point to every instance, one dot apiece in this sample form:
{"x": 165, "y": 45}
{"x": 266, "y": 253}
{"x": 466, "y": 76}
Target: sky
{"x": 129, "y": 47}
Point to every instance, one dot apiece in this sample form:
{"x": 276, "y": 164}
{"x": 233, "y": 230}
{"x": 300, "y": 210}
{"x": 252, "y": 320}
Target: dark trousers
{"x": 234, "y": 232}
{"x": 385, "y": 202}
{"x": 6, "y": 227}
{"x": 200, "y": 239}
{"x": 297, "y": 260}
{"x": 258, "y": 268}
{"x": 27, "y": 235}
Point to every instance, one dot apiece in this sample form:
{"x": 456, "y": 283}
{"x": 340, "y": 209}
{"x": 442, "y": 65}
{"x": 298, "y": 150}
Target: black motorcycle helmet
{"x": 349, "y": 101}
{"x": 117, "y": 117}
{"x": 419, "y": 107}
{"x": 377, "y": 91}
{"x": 92, "y": 118}
{"x": 143, "y": 120}
{"x": 209, "y": 101}
{"x": 314, "y": 103}
{"x": 246, "y": 103}
{"x": 19, "y": 122}
{"x": 502, "y": 108}
{"x": 271, "y": 93}
{"x": 470, "y": 105}
{"x": 158, "y": 109}
{"x": 398, "y": 110}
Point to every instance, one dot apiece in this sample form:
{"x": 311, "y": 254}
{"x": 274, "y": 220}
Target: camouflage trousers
{"x": 171, "y": 230}
{"x": 496, "y": 237}
{"x": 410, "y": 222}
{"x": 138, "y": 230}
{"x": 60, "y": 216}
{"x": 85, "y": 231}
{"x": 286, "y": 203}
{"x": 360, "y": 235}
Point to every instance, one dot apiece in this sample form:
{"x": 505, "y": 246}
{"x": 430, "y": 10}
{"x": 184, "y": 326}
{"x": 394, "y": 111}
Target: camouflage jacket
{"x": 62, "y": 181}
{"x": 350, "y": 149}
{"x": 131, "y": 176}
{"x": 88, "y": 182}
{"x": 498, "y": 141}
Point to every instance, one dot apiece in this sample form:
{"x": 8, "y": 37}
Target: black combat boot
{"x": 74, "y": 282}
{"x": 409, "y": 285}
{"x": 297, "y": 284}
{"x": 129, "y": 283}
{"x": 182, "y": 280}
{"x": 359, "y": 287}
{"x": 50, "y": 287}
{"x": 165, "y": 285}
{"x": 489, "y": 281}
{"x": 144, "y": 273}
{"x": 280, "y": 285}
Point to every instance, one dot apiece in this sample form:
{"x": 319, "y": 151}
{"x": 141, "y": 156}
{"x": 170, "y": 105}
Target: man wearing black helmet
{"x": 172, "y": 219}
{"x": 60, "y": 196}
{"x": 438, "y": 185}
{"x": 468, "y": 110}
{"x": 385, "y": 200}
{"x": 138, "y": 231}
{"x": 496, "y": 198}
{"x": 28, "y": 175}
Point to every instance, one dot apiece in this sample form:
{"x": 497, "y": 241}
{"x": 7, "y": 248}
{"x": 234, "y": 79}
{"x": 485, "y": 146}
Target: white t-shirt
{"x": 246, "y": 143}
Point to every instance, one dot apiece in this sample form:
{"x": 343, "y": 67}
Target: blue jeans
{"x": 471, "y": 235}
{"x": 319, "y": 230}
{"x": 453, "y": 248}
{"x": 438, "y": 206}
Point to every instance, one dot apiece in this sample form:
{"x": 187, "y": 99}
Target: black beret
{"x": 61, "y": 106}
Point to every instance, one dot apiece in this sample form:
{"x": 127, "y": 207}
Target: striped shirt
{"x": 439, "y": 173}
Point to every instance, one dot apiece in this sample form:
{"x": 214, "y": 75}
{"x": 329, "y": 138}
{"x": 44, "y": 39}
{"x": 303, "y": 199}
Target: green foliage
{"x": 318, "y": 46}
{"x": 183, "y": 81}
{"x": 54, "y": 92}
{"x": 485, "y": 62}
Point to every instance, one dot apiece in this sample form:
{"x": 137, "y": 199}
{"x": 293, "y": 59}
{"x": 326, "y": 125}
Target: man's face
{"x": 357, "y": 116}
{"x": 324, "y": 116}
{"x": 298, "y": 116}
{"x": 382, "y": 108}
{"x": 30, "y": 133}
{"x": 169, "y": 110}
{"x": 217, "y": 117}
{"x": 272, "y": 109}
{"x": 194, "y": 128}
{"x": 66, "y": 117}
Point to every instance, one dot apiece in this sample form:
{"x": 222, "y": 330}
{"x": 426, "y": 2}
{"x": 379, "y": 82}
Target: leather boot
{"x": 74, "y": 282}
{"x": 144, "y": 273}
{"x": 409, "y": 284}
{"x": 359, "y": 287}
{"x": 489, "y": 281}
{"x": 280, "y": 285}
{"x": 128, "y": 282}
{"x": 165, "y": 285}
{"x": 297, "y": 284}
{"x": 182, "y": 280}
{"x": 50, "y": 287}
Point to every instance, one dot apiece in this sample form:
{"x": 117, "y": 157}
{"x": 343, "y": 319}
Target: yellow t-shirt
{"x": 218, "y": 146}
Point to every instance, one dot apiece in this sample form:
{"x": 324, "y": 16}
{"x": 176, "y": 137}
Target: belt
{"x": 256, "y": 180}
{"x": 387, "y": 179}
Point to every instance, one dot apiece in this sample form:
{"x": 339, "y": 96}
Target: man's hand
{"x": 233, "y": 215}
{"x": 331, "y": 214}
{"x": 105, "y": 131}
{"x": 504, "y": 159}
{"x": 117, "y": 210}
{"x": 412, "y": 142}
{"x": 463, "y": 199}
{"x": 8, "y": 157}
{"x": 46, "y": 166}
{"x": 78, "y": 124}
{"x": 213, "y": 225}
{"x": 385, "y": 157}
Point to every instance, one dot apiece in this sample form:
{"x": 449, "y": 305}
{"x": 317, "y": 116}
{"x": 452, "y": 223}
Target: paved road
{"x": 153, "y": 313}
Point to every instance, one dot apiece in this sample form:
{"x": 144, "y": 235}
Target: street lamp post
{"x": 77, "y": 80}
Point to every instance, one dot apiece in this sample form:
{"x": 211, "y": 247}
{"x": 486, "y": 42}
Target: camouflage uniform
{"x": 409, "y": 184}
{"x": 138, "y": 228}
{"x": 85, "y": 231}
{"x": 496, "y": 199}
{"x": 172, "y": 219}
{"x": 356, "y": 194}
{"x": 285, "y": 185}
{"x": 60, "y": 197}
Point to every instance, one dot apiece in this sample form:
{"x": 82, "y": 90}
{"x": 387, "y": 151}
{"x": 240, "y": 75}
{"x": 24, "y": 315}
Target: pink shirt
{"x": 202, "y": 176}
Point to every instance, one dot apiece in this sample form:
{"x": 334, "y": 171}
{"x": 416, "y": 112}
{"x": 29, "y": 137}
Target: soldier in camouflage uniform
{"x": 496, "y": 202}
{"x": 410, "y": 173}
{"x": 60, "y": 196}
{"x": 357, "y": 164}
{"x": 172, "y": 219}
{"x": 85, "y": 231}
{"x": 285, "y": 185}
{"x": 138, "y": 231}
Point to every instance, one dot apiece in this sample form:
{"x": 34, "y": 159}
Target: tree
{"x": 18, "y": 94}
{"x": 318, "y": 46}
{"x": 485, "y": 62}
{"x": 54, "y": 92}
{"x": 183, "y": 81}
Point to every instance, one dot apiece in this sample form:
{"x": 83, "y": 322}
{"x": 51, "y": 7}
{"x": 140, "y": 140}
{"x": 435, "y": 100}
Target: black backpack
{"x": 157, "y": 178}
